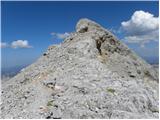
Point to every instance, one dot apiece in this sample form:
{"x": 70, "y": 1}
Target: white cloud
{"x": 142, "y": 28}
{"x": 20, "y": 44}
{"x": 143, "y": 39}
{"x": 60, "y": 35}
{"x": 3, "y": 45}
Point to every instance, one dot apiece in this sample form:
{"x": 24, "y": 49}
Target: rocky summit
{"x": 90, "y": 75}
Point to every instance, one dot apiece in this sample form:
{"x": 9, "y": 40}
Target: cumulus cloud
{"x": 3, "y": 45}
{"x": 60, "y": 35}
{"x": 142, "y": 28}
{"x": 20, "y": 44}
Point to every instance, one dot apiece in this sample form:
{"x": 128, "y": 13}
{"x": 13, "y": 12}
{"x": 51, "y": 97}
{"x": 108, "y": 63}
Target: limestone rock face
{"x": 90, "y": 75}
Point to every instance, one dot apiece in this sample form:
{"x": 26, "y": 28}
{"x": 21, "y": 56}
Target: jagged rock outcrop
{"x": 90, "y": 75}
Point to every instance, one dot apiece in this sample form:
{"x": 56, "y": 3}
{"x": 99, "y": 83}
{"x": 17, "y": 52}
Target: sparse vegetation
{"x": 147, "y": 73}
{"x": 111, "y": 90}
{"x": 50, "y": 103}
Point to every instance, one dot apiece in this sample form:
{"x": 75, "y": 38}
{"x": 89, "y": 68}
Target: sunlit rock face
{"x": 90, "y": 75}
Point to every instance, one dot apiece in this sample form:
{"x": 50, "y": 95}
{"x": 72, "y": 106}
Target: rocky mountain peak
{"x": 86, "y": 25}
{"x": 90, "y": 75}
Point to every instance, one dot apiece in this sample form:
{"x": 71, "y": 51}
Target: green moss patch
{"x": 50, "y": 103}
{"x": 111, "y": 90}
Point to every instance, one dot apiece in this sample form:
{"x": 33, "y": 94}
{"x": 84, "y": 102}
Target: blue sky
{"x": 35, "y": 21}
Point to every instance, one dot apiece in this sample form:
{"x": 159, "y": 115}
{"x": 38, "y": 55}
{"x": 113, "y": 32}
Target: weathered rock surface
{"x": 90, "y": 75}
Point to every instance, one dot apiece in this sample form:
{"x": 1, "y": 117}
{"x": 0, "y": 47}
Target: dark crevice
{"x": 84, "y": 29}
{"x": 44, "y": 54}
{"x": 98, "y": 45}
{"x": 49, "y": 116}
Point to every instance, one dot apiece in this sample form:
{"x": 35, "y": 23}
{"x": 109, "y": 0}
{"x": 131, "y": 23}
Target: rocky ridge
{"x": 90, "y": 75}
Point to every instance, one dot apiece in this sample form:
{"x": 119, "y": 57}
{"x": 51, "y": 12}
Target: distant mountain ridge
{"x": 11, "y": 71}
